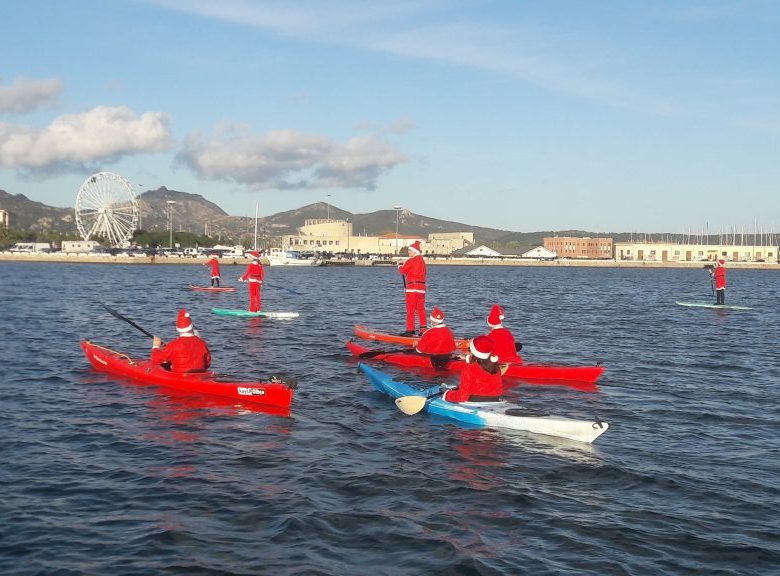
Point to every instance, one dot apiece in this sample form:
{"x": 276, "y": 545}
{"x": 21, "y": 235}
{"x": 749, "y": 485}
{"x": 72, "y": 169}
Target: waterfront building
{"x": 481, "y": 252}
{"x": 673, "y": 252}
{"x": 4, "y": 220}
{"x": 77, "y": 246}
{"x": 575, "y": 247}
{"x": 540, "y": 253}
{"x": 329, "y": 235}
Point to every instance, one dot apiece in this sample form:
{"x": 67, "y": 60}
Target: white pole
{"x": 257, "y": 207}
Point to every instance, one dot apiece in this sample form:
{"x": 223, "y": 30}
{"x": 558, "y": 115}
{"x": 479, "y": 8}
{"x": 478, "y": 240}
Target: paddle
{"x": 290, "y": 290}
{"x": 133, "y": 324}
{"x": 411, "y": 405}
{"x": 375, "y": 353}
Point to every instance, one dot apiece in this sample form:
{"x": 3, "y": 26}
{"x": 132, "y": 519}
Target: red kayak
{"x": 580, "y": 377}
{"x": 369, "y": 334}
{"x": 273, "y": 393}
{"x": 213, "y": 288}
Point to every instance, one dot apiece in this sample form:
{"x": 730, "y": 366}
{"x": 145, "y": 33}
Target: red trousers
{"x": 254, "y": 296}
{"x": 415, "y": 304}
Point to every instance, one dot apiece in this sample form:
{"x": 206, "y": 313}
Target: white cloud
{"x": 74, "y": 141}
{"x": 27, "y": 94}
{"x": 287, "y": 159}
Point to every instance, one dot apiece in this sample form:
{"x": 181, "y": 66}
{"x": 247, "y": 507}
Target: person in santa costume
{"x": 719, "y": 274}
{"x": 438, "y": 341}
{"x": 505, "y": 346}
{"x": 480, "y": 379}
{"x": 188, "y": 353}
{"x": 254, "y": 276}
{"x": 414, "y": 273}
{"x": 213, "y": 263}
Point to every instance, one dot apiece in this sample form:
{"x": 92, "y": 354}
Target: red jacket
{"x": 504, "y": 345}
{"x": 474, "y": 381}
{"x": 415, "y": 271}
{"x": 435, "y": 340}
{"x": 188, "y": 353}
{"x": 720, "y": 277}
{"x": 214, "y": 263}
{"x": 254, "y": 273}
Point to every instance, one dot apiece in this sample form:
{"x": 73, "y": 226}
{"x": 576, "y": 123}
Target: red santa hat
{"x": 495, "y": 317}
{"x": 437, "y": 316}
{"x": 722, "y": 262}
{"x": 183, "y": 322}
{"x": 482, "y": 347}
{"x": 415, "y": 247}
{"x": 255, "y": 255}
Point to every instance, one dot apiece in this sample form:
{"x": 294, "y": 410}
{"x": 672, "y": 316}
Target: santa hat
{"x": 437, "y": 316}
{"x": 255, "y": 255}
{"x": 722, "y": 262}
{"x": 482, "y": 347}
{"x": 495, "y": 317}
{"x": 183, "y": 322}
{"x": 415, "y": 247}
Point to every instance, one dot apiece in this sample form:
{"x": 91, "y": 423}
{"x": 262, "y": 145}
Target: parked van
{"x": 31, "y": 247}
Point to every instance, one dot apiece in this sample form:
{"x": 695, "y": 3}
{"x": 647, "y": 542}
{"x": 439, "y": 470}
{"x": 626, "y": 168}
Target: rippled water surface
{"x": 102, "y": 476}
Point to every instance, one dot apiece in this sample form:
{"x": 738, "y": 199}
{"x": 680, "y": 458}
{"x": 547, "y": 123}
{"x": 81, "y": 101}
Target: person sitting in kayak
{"x": 188, "y": 353}
{"x": 504, "y": 341}
{"x": 438, "y": 341}
{"x": 213, "y": 263}
{"x": 414, "y": 273}
{"x": 254, "y": 276}
{"x": 480, "y": 379}
{"x": 719, "y": 274}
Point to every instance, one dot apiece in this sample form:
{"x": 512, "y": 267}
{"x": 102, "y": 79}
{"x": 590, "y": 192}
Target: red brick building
{"x": 586, "y": 248}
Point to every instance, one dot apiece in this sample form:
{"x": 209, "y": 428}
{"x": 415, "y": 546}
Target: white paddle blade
{"x": 410, "y": 404}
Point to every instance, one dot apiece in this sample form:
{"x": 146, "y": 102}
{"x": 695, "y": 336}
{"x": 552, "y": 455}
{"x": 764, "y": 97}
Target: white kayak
{"x": 490, "y": 414}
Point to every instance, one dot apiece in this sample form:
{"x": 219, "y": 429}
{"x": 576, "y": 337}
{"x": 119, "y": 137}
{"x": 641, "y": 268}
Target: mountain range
{"x": 193, "y": 213}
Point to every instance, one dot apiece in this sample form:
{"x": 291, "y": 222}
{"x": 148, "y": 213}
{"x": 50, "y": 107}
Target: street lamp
{"x": 397, "y": 211}
{"x": 170, "y": 222}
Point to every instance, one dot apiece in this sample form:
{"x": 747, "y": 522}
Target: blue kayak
{"x": 489, "y": 414}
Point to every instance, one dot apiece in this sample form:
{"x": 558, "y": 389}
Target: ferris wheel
{"x": 106, "y": 208}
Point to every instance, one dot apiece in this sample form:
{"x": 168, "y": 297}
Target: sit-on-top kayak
{"x": 717, "y": 306}
{"x": 544, "y": 373}
{"x": 490, "y": 414}
{"x": 213, "y": 288}
{"x": 272, "y": 393}
{"x": 369, "y": 334}
{"x": 262, "y": 314}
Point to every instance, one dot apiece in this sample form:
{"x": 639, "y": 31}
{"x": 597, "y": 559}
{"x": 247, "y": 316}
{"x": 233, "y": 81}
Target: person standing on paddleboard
{"x": 254, "y": 276}
{"x": 414, "y": 273}
{"x": 480, "y": 379}
{"x": 719, "y": 274}
{"x": 188, "y": 353}
{"x": 504, "y": 341}
{"x": 213, "y": 263}
{"x": 438, "y": 341}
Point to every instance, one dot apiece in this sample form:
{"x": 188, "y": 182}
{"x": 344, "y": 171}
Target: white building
{"x": 482, "y": 252}
{"x": 540, "y": 253}
{"x": 326, "y": 235}
{"x": 76, "y": 246}
{"x": 670, "y": 252}
{"x": 4, "y": 220}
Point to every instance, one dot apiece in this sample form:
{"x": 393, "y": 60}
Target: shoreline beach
{"x": 82, "y": 258}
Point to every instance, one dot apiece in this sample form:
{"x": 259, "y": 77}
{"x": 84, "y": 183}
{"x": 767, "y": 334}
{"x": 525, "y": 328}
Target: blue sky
{"x": 560, "y": 114}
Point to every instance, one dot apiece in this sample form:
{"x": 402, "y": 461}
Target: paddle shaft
{"x": 133, "y": 324}
{"x": 290, "y": 290}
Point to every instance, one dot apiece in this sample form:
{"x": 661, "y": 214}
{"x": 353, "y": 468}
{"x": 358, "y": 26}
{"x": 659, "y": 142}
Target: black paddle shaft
{"x": 133, "y": 324}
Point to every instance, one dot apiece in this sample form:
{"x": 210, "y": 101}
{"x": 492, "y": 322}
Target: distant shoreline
{"x": 58, "y": 257}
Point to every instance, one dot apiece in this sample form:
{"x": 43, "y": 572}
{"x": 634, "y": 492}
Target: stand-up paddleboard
{"x": 262, "y": 314}
{"x": 716, "y": 306}
{"x": 213, "y": 288}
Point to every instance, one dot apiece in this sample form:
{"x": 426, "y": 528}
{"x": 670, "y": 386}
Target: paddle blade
{"x": 410, "y": 405}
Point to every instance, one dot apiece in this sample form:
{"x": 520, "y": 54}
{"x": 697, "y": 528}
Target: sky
{"x": 607, "y": 116}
